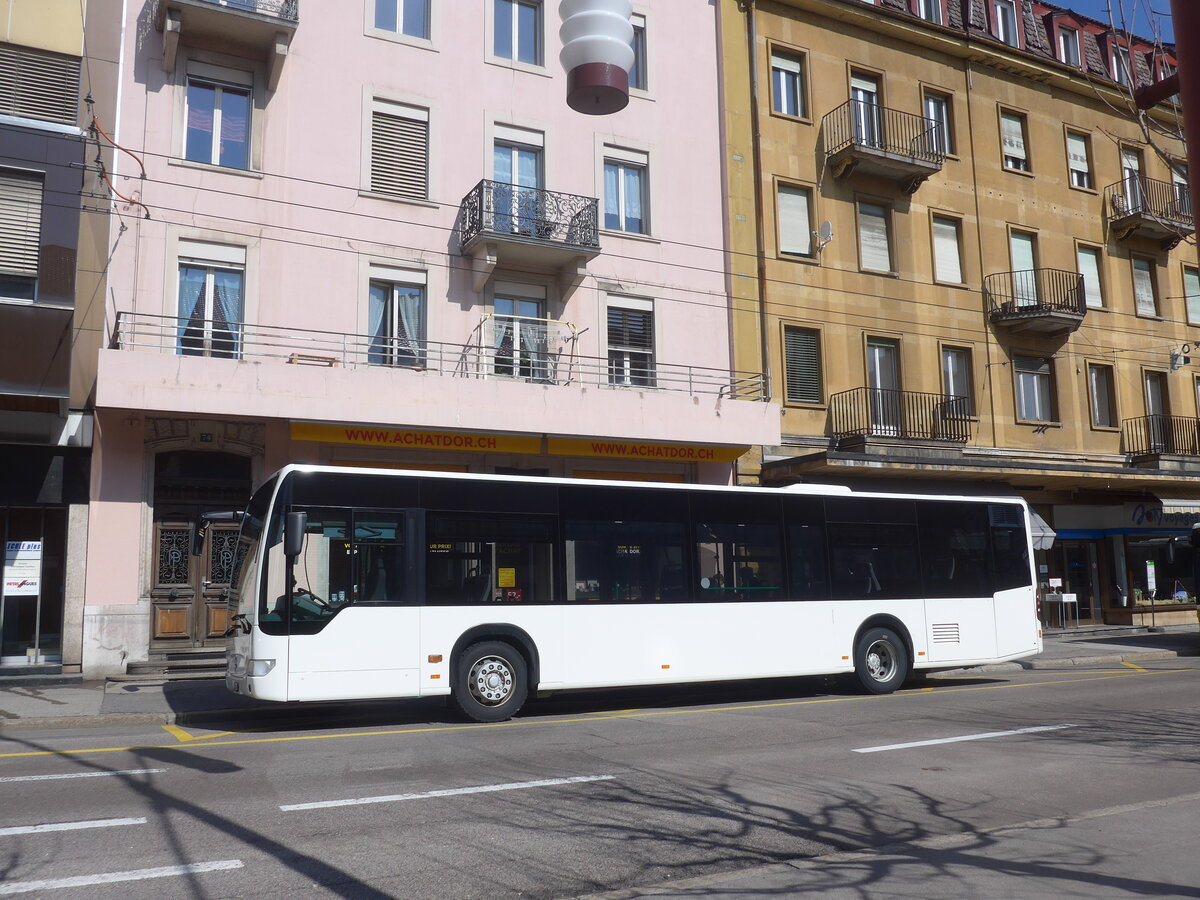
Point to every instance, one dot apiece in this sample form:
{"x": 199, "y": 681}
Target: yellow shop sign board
{"x": 406, "y": 439}
{"x": 603, "y": 447}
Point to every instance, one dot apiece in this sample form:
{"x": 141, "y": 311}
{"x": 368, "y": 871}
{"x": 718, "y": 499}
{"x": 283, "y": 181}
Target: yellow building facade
{"x": 966, "y": 264}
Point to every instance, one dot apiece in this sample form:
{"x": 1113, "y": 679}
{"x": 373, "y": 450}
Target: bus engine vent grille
{"x": 945, "y": 634}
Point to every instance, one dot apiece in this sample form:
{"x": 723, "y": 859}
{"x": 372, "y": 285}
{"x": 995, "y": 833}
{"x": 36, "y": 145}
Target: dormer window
{"x": 1122, "y": 66}
{"x": 1006, "y": 22}
{"x": 1068, "y": 46}
{"x": 930, "y": 11}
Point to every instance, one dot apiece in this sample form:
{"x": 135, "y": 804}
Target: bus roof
{"x": 819, "y": 490}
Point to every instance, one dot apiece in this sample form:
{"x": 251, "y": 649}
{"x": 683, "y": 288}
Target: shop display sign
{"x": 1151, "y": 584}
{"x": 22, "y": 568}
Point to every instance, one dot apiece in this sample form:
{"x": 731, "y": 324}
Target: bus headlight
{"x": 260, "y": 667}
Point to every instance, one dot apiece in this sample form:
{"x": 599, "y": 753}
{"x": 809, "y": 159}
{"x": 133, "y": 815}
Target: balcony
{"x": 1047, "y": 301}
{"x": 509, "y": 225}
{"x": 508, "y": 376}
{"x": 1147, "y": 439}
{"x": 869, "y": 138}
{"x": 1143, "y": 207}
{"x": 863, "y": 415}
{"x": 262, "y": 27}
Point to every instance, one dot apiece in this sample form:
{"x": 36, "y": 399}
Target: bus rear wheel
{"x": 880, "y": 661}
{"x": 491, "y": 681}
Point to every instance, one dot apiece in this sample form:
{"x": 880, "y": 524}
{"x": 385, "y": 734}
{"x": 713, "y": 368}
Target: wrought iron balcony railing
{"x": 287, "y": 10}
{"x": 1034, "y": 292}
{"x": 507, "y": 355}
{"x": 529, "y": 214}
{"x": 1146, "y": 435}
{"x": 909, "y": 145}
{"x": 881, "y": 412}
{"x": 1138, "y": 195}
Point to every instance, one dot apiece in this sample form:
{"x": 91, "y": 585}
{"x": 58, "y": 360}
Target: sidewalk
{"x": 34, "y": 703}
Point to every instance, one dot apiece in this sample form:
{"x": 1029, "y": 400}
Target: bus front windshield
{"x": 246, "y": 578}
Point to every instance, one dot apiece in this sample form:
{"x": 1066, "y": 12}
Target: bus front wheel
{"x": 491, "y": 681}
{"x": 880, "y": 661}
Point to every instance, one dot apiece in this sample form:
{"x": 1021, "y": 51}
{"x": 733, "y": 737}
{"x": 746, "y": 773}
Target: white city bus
{"x": 357, "y": 583}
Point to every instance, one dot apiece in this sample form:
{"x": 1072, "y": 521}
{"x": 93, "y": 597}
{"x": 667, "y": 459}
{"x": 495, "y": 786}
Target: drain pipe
{"x": 748, "y": 7}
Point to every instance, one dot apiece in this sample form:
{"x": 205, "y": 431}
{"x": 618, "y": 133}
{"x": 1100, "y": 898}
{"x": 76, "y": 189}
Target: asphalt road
{"x": 1083, "y": 782}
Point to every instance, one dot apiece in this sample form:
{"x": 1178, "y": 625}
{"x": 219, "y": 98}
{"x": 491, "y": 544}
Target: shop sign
{"x": 406, "y": 439}
{"x": 22, "y": 568}
{"x": 1151, "y": 515}
{"x": 604, "y": 447}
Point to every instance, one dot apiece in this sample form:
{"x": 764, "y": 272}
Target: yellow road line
{"x": 184, "y": 737}
{"x": 1135, "y": 668}
{"x": 595, "y": 717}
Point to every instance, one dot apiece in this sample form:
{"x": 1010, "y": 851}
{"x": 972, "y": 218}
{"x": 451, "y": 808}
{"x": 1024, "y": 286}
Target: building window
{"x": 1068, "y": 46}
{"x": 1102, "y": 396}
{"x": 1035, "y": 389}
{"x": 1088, "y": 264}
{"x": 1013, "y": 141}
{"x": 409, "y": 17}
{"x": 1006, "y": 22}
{"x": 802, "y": 364}
{"x": 874, "y": 243}
{"x": 396, "y": 317}
{"x": 518, "y": 31}
{"x": 930, "y": 10}
{"x": 625, "y": 191}
{"x": 399, "y": 150}
{"x": 1145, "y": 291}
{"x": 795, "y": 221}
{"x": 637, "y": 72}
{"x": 1191, "y": 293}
{"x": 1122, "y": 71}
{"x": 956, "y": 381}
{"x": 1079, "y": 163}
{"x": 218, "y": 123}
{"x": 20, "y": 233}
{"x": 630, "y": 342}
{"x": 938, "y": 110}
{"x": 1022, "y": 250}
{"x": 211, "y": 299}
{"x": 787, "y": 84}
{"x": 947, "y": 250}
{"x": 520, "y": 331}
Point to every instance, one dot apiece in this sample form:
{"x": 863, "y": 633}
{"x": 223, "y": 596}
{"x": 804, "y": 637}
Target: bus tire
{"x": 880, "y": 661}
{"x": 491, "y": 681}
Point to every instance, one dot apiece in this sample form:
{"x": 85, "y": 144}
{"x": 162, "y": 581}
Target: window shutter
{"x": 1191, "y": 291}
{"x": 1143, "y": 288}
{"x": 630, "y": 329}
{"x": 1077, "y": 156}
{"x": 1013, "y": 133}
{"x": 947, "y": 264}
{"x": 399, "y": 156}
{"x": 37, "y": 85}
{"x": 873, "y": 237}
{"x": 795, "y": 221}
{"x": 802, "y": 365}
{"x": 1089, "y": 267}
{"x": 20, "y": 222}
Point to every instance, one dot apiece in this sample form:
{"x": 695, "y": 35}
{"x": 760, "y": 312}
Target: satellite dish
{"x": 824, "y": 235}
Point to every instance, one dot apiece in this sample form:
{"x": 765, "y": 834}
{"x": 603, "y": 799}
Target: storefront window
{"x": 1158, "y": 572}
{"x": 31, "y": 602}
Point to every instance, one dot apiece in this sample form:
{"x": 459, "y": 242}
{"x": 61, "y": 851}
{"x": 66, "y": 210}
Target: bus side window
{"x": 953, "y": 548}
{"x": 379, "y": 558}
{"x": 807, "y": 563}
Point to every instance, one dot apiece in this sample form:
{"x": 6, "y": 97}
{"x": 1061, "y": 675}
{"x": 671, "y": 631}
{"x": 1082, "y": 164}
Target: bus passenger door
{"x": 355, "y": 625}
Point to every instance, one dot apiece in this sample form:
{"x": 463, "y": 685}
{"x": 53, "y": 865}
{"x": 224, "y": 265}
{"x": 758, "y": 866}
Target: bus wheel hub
{"x": 491, "y": 680}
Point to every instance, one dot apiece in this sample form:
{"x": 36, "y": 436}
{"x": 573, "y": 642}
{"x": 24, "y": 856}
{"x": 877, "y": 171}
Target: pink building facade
{"x": 374, "y": 233}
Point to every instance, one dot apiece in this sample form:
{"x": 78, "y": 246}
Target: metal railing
{"x": 882, "y": 412}
{"x": 863, "y": 124}
{"x": 287, "y": 10}
{"x": 1034, "y": 292}
{"x": 505, "y": 209}
{"x": 1161, "y": 434}
{"x": 556, "y": 364}
{"x": 1139, "y": 195}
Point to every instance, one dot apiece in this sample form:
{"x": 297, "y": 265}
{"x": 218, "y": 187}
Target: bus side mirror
{"x": 1195, "y": 536}
{"x": 198, "y": 534}
{"x": 293, "y": 534}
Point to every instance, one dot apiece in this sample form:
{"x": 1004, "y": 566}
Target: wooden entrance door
{"x": 189, "y": 594}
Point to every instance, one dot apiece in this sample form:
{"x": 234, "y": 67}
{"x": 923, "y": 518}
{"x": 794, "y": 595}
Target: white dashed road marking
{"x": 451, "y": 792}
{"x": 965, "y": 737}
